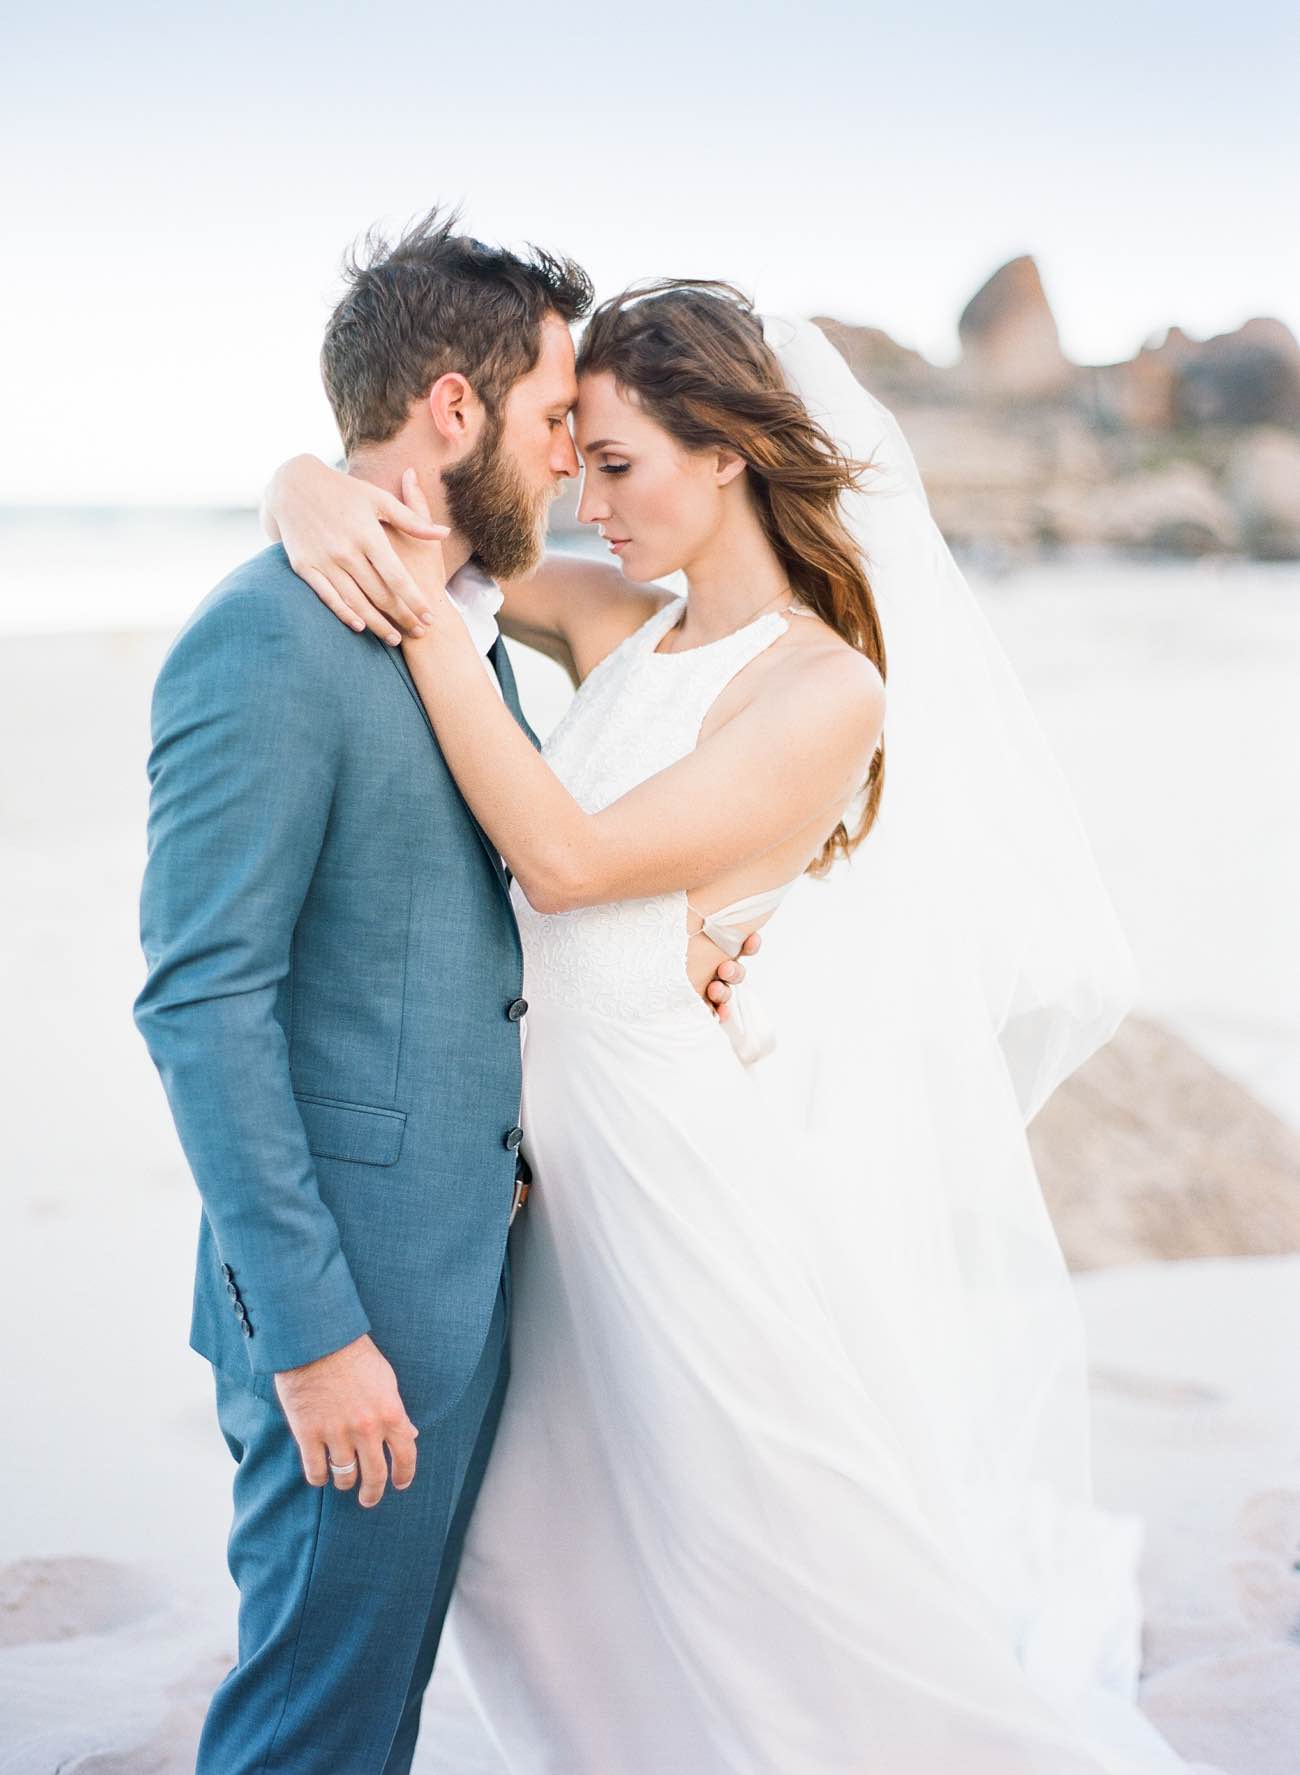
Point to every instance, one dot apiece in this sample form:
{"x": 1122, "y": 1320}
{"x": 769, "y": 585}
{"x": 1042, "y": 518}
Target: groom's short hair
{"x": 430, "y": 302}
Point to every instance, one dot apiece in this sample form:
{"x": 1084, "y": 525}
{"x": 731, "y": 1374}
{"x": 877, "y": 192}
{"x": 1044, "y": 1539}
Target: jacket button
{"x": 516, "y": 1008}
{"x": 232, "y": 1291}
{"x": 513, "y": 1138}
{"x": 226, "y": 1271}
{"x": 241, "y": 1311}
{"x": 246, "y": 1328}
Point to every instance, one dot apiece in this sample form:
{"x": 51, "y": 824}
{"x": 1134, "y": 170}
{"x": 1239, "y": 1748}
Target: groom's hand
{"x": 729, "y": 975}
{"x": 345, "y": 1407}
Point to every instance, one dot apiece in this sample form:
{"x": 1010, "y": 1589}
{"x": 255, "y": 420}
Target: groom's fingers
{"x": 719, "y": 988}
{"x": 401, "y": 1449}
{"x": 342, "y": 1454}
{"x": 315, "y": 1460}
{"x": 374, "y": 1469}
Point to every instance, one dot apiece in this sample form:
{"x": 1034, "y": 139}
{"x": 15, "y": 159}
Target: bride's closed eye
{"x": 615, "y": 468}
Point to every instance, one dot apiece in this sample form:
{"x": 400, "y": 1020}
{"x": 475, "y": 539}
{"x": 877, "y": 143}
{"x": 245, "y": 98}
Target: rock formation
{"x": 1009, "y": 342}
{"x": 1149, "y": 1151}
{"x": 1190, "y": 447}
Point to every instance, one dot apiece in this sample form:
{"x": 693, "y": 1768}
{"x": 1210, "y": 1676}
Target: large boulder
{"x": 878, "y": 360}
{"x": 1248, "y": 377}
{"x": 1263, "y": 484}
{"x": 981, "y": 475}
{"x": 1148, "y": 1151}
{"x": 1009, "y": 341}
{"x": 1174, "y": 509}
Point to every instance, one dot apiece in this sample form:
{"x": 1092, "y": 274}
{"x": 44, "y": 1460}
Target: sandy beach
{"x": 1169, "y": 697}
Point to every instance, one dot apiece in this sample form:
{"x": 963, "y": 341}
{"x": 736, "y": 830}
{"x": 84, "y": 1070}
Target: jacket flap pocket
{"x": 355, "y": 1132}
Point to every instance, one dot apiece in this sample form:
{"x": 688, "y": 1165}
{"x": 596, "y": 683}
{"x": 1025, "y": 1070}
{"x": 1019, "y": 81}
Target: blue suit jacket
{"x": 332, "y": 996}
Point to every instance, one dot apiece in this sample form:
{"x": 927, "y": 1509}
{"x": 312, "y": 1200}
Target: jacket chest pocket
{"x": 348, "y": 986}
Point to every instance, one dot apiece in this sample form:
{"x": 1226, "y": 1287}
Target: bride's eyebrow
{"x": 602, "y": 444}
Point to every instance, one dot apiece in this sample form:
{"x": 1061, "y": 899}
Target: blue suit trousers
{"x": 341, "y": 1608}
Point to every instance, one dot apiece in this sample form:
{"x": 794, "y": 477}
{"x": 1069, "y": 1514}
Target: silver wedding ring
{"x": 350, "y": 1468}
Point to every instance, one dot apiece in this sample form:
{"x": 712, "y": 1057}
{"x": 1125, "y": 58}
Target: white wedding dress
{"x": 716, "y": 1535}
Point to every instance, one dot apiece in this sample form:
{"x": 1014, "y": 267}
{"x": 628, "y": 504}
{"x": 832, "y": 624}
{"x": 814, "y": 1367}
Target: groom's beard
{"x": 487, "y": 501}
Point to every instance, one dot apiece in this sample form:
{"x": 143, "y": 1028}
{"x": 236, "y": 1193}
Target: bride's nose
{"x": 592, "y": 509}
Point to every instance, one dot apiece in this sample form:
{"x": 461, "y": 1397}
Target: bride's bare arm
{"x": 335, "y": 530}
{"x": 800, "y": 748}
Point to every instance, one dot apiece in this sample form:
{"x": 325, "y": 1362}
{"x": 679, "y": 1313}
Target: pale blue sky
{"x": 182, "y": 183}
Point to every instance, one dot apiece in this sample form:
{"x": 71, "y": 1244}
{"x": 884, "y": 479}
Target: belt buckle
{"x": 523, "y": 1183}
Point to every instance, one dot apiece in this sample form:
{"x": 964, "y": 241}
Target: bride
{"x": 792, "y": 1474}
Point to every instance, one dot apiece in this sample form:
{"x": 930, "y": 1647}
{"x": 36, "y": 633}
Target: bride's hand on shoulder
{"x": 335, "y": 530}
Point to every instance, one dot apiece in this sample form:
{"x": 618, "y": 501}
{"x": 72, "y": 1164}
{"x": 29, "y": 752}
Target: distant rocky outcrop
{"x": 1190, "y": 447}
{"x": 1009, "y": 341}
{"x": 1148, "y": 1151}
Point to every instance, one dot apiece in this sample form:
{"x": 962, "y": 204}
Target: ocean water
{"x": 1170, "y": 692}
{"x": 74, "y": 570}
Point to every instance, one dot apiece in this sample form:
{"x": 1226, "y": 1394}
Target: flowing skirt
{"x": 717, "y": 1532}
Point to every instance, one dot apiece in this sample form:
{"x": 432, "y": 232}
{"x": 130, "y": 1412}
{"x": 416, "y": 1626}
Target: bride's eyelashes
{"x": 614, "y": 468}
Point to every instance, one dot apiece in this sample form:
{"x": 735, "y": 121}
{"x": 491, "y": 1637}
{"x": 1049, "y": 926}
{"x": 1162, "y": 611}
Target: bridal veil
{"x": 929, "y": 994}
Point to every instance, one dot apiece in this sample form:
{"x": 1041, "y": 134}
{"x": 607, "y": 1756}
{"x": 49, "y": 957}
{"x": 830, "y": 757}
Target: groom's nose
{"x": 564, "y": 458}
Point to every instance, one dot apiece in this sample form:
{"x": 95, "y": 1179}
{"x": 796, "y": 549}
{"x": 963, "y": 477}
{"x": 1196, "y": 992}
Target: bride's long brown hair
{"x": 693, "y": 354}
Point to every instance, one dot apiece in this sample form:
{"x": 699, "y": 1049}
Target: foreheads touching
{"x": 434, "y": 303}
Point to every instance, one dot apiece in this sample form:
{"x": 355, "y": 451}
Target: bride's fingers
{"x": 376, "y": 583}
{"x": 413, "y": 494}
{"x": 344, "y": 590}
{"x": 408, "y": 601}
{"x": 375, "y": 620}
{"x": 331, "y": 599}
{"x": 413, "y": 516}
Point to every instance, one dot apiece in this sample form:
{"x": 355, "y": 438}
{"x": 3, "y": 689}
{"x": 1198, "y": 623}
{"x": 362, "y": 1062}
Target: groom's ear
{"x": 455, "y": 409}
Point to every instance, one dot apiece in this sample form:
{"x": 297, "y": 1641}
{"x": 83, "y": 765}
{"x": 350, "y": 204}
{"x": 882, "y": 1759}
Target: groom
{"x": 333, "y": 1002}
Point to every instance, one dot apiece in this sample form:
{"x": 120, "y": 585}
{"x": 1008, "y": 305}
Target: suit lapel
{"x": 499, "y": 659}
{"x": 501, "y": 665}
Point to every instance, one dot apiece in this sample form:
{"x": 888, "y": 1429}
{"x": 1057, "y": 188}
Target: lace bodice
{"x": 635, "y": 714}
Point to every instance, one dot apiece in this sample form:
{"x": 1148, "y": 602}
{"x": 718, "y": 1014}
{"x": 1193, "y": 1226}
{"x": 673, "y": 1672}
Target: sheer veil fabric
{"x": 927, "y": 997}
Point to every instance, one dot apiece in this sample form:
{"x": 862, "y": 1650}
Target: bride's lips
{"x": 617, "y": 543}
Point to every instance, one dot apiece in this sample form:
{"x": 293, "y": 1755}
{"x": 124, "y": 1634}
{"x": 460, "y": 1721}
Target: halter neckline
{"x": 793, "y": 608}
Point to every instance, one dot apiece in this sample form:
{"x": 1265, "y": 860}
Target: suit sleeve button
{"x": 513, "y": 1138}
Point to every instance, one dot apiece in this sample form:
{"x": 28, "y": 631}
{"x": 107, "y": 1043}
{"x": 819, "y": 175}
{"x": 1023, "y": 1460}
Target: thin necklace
{"x": 752, "y": 617}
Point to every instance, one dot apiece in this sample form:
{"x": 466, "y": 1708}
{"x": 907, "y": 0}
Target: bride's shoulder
{"x": 824, "y": 660}
{"x": 828, "y": 675}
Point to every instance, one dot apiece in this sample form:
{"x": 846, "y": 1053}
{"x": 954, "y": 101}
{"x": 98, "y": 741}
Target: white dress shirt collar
{"x": 478, "y": 597}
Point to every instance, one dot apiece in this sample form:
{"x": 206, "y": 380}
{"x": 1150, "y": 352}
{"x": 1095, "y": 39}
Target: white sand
{"x": 116, "y": 1615}
{"x": 1197, "y": 1419}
